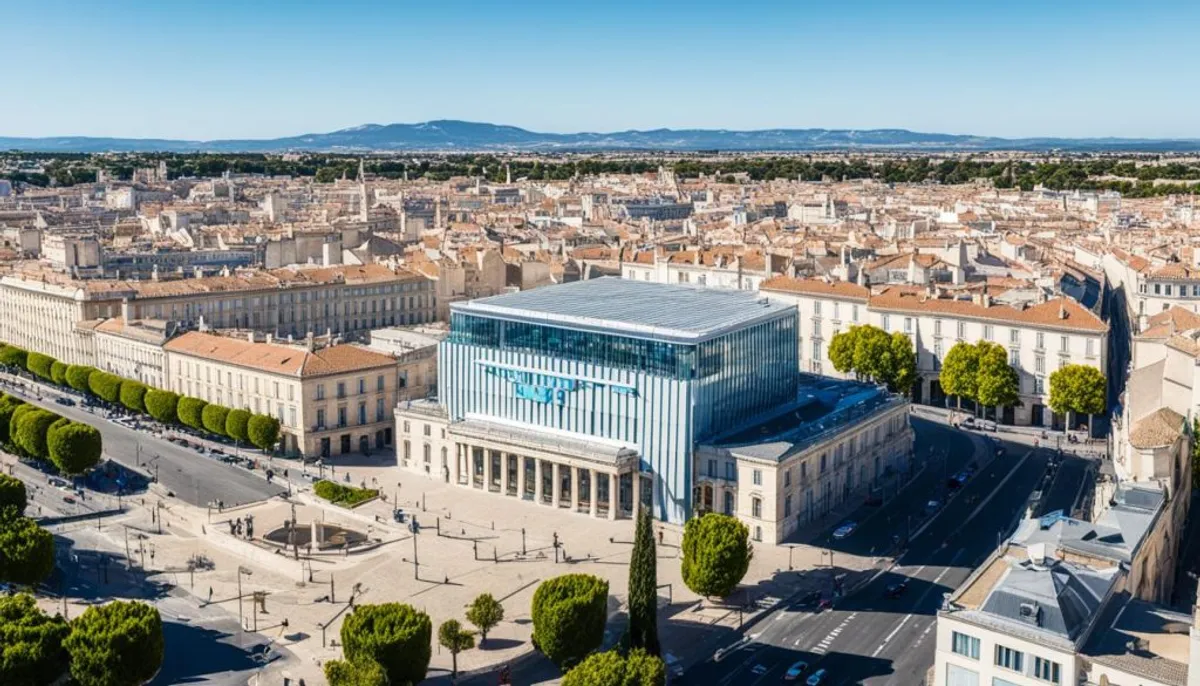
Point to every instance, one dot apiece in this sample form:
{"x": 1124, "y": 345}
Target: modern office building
{"x": 596, "y": 395}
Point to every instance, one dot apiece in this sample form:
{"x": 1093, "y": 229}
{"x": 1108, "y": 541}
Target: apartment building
{"x": 329, "y": 401}
{"x": 134, "y": 349}
{"x": 708, "y": 268}
{"x": 1040, "y": 337}
{"x": 1153, "y": 286}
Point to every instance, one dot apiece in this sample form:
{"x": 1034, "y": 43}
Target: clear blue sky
{"x": 263, "y": 68}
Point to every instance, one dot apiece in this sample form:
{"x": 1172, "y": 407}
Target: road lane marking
{"x": 823, "y": 646}
{"x": 919, "y": 601}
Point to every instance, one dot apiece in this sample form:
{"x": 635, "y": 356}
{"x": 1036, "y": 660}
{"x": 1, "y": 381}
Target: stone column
{"x": 574, "y": 481}
{"x": 556, "y": 484}
{"x": 504, "y": 457}
{"x": 539, "y": 488}
{"x": 487, "y": 470}
{"x": 594, "y": 495}
{"x": 613, "y": 482}
{"x": 457, "y": 463}
{"x": 520, "y": 477}
{"x": 637, "y": 492}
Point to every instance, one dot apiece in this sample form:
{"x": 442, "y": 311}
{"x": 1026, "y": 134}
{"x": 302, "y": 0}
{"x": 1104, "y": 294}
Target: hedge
{"x": 7, "y": 407}
{"x": 12, "y": 356}
{"x": 343, "y": 495}
{"x": 39, "y": 364}
{"x": 191, "y": 412}
{"x": 162, "y": 405}
{"x": 58, "y": 373}
{"x": 213, "y": 417}
{"x": 106, "y": 386}
{"x": 133, "y": 395}
{"x": 263, "y": 431}
{"x": 237, "y": 425}
{"x": 75, "y": 448}
{"x": 77, "y": 377}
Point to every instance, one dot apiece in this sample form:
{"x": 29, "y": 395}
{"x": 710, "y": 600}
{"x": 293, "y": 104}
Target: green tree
{"x": 13, "y": 494}
{"x": 8, "y": 406}
{"x": 263, "y": 431}
{"x": 213, "y": 417}
{"x": 12, "y": 356}
{"x": 237, "y": 425}
{"x": 716, "y": 554}
{"x": 841, "y": 350}
{"x": 26, "y": 550}
{"x": 118, "y": 644}
{"x": 643, "y": 587}
{"x": 133, "y": 395}
{"x": 960, "y": 372}
{"x": 162, "y": 405}
{"x": 901, "y": 368}
{"x": 77, "y": 377}
{"x": 998, "y": 383}
{"x": 105, "y": 386}
{"x": 39, "y": 364}
{"x": 31, "y": 643}
{"x": 454, "y": 638}
{"x": 191, "y": 412}
{"x": 485, "y": 613}
{"x": 871, "y": 354}
{"x": 1077, "y": 388}
{"x": 346, "y": 673}
{"x": 31, "y": 432}
{"x": 569, "y": 613}
{"x": 58, "y": 373}
{"x": 610, "y": 669}
{"x": 394, "y": 635}
{"x": 75, "y": 447}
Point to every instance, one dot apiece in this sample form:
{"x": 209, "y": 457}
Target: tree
{"x": 31, "y": 643}
{"x": 716, "y": 554}
{"x": 32, "y": 428}
{"x": 392, "y": 634}
{"x": 162, "y": 405}
{"x": 643, "y": 587}
{"x": 213, "y": 417}
{"x": 118, "y": 644}
{"x": 13, "y": 494}
{"x": 455, "y": 639}
{"x": 237, "y": 425}
{"x": 902, "y": 364}
{"x": 998, "y": 384}
{"x": 12, "y": 356}
{"x": 8, "y": 406}
{"x": 75, "y": 447}
{"x": 841, "y": 350}
{"x": 77, "y": 377}
{"x": 871, "y": 346}
{"x": 1078, "y": 388}
{"x": 569, "y": 613}
{"x": 133, "y": 395}
{"x": 106, "y": 386}
{"x": 39, "y": 364}
{"x": 26, "y": 550}
{"x": 58, "y": 373}
{"x": 610, "y": 669}
{"x": 263, "y": 431}
{"x": 960, "y": 372}
{"x": 485, "y": 613}
{"x": 346, "y": 673}
{"x": 191, "y": 412}
{"x": 870, "y": 353}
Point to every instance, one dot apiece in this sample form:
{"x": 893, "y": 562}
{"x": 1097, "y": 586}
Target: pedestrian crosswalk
{"x": 823, "y": 647}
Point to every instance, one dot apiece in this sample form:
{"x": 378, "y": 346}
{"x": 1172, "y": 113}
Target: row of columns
{"x": 466, "y": 455}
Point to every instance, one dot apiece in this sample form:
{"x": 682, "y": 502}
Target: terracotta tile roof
{"x": 1156, "y": 430}
{"x": 1175, "y": 270}
{"x": 1169, "y": 322}
{"x": 1184, "y": 344}
{"x": 1059, "y": 313}
{"x": 288, "y": 360}
{"x": 835, "y": 289}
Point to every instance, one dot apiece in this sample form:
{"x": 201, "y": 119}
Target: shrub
{"x": 26, "y": 550}
{"x": 213, "y": 417}
{"x": 162, "y": 405}
{"x": 340, "y": 494}
{"x": 237, "y": 425}
{"x": 263, "y": 431}
{"x": 610, "y": 669}
{"x": 32, "y": 643}
{"x": 39, "y": 364}
{"x": 12, "y": 356}
{"x": 133, "y": 395}
{"x": 75, "y": 448}
{"x": 716, "y": 554}
{"x": 191, "y": 411}
{"x": 106, "y": 386}
{"x": 116, "y": 644}
{"x": 569, "y": 614}
{"x": 346, "y": 673}
{"x": 12, "y": 494}
{"x": 7, "y": 409}
{"x": 32, "y": 429}
{"x": 58, "y": 373}
{"x": 77, "y": 377}
{"x": 395, "y": 636}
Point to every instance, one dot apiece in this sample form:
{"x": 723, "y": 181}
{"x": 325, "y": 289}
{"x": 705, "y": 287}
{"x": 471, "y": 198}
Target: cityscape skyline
{"x": 924, "y": 67}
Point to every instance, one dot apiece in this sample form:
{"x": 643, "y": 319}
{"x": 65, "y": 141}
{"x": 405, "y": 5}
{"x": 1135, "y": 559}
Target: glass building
{"x": 640, "y": 368}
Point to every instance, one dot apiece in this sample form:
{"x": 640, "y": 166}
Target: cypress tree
{"x": 643, "y": 588}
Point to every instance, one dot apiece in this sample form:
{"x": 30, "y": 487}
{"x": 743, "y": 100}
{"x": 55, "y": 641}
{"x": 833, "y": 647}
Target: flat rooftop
{"x": 681, "y": 314}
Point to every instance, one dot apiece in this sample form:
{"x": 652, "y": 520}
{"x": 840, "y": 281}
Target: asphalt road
{"x": 869, "y": 638}
{"x": 194, "y": 478}
{"x": 1065, "y": 486}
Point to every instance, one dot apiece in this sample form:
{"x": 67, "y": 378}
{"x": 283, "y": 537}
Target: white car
{"x": 845, "y": 530}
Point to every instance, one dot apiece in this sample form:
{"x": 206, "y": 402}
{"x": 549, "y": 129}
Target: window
{"x": 787, "y": 477}
{"x": 803, "y": 471}
{"x": 1158, "y": 289}
{"x": 887, "y": 322}
{"x": 787, "y": 506}
{"x": 362, "y": 386}
{"x": 1064, "y": 344}
{"x": 964, "y": 645}
{"x": 320, "y": 419}
{"x": 758, "y": 477}
{"x": 989, "y": 332}
{"x": 823, "y": 463}
{"x": 426, "y": 456}
{"x": 1091, "y": 347}
{"x": 1009, "y": 658}
{"x": 1196, "y": 291}
{"x": 756, "y": 507}
{"x": 379, "y": 382}
{"x": 854, "y": 309}
{"x": 962, "y": 330}
{"x": 908, "y": 325}
{"x": 1167, "y": 289}
{"x": 407, "y": 426}
{"x": 341, "y": 389}
{"x": 1014, "y": 356}
{"x": 937, "y": 327}
{"x": 1039, "y": 364}
{"x": 341, "y": 416}
{"x": 292, "y": 417}
{"x": 730, "y": 471}
{"x": 1014, "y": 336}
{"x": 1041, "y": 341}
{"x": 1047, "y": 670}
{"x": 816, "y": 350}
{"x": 379, "y": 410}
{"x": 758, "y": 533}
{"x": 320, "y": 391}
{"x": 407, "y": 451}
{"x": 836, "y": 311}
{"x": 817, "y": 308}
{"x": 961, "y": 676}
{"x": 1039, "y": 385}
{"x": 712, "y": 469}
{"x": 362, "y": 413}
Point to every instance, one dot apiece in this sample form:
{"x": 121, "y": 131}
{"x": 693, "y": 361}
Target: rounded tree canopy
{"x": 26, "y": 550}
{"x": 31, "y": 432}
{"x": 190, "y": 411}
{"x": 12, "y": 356}
{"x": 346, "y": 673}
{"x": 39, "y": 364}
{"x": 32, "y": 642}
{"x": 263, "y": 431}
{"x": 13, "y": 494}
{"x": 106, "y": 386}
{"x": 75, "y": 448}
{"x": 77, "y": 377}
{"x": 133, "y": 395}
{"x": 569, "y": 614}
{"x": 392, "y": 634}
{"x": 237, "y": 425}
{"x": 716, "y": 554}
{"x": 213, "y": 417}
{"x": 162, "y": 405}
{"x": 610, "y": 669}
{"x": 58, "y": 373}
{"x": 115, "y": 644}
{"x": 8, "y": 408}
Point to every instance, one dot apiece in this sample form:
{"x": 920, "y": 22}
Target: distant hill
{"x": 462, "y": 136}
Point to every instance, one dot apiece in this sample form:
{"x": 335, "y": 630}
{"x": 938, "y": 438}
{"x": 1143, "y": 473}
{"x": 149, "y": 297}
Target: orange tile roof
{"x": 1073, "y": 315}
{"x": 834, "y": 289}
{"x": 274, "y": 358}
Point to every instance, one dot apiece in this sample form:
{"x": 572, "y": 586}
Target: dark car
{"x": 897, "y": 589}
{"x": 810, "y": 600}
{"x": 874, "y": 499}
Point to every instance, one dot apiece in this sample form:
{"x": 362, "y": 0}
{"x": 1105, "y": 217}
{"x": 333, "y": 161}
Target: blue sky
{"x": 262, "y": 68}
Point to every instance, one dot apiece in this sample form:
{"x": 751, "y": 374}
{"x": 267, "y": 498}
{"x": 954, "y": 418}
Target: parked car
{"x": 797, "y": 670}
{"x": 897, "y": 589}
{"x": 65, "y": 401}
{"x": 759, "y": 669}
{"x": 932, "y": 506}
{"x": 817, "y": 678}
{"x": 845, "y": 530}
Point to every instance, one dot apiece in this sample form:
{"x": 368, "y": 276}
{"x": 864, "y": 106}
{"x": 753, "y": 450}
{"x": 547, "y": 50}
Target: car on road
{"x": 978, "y": 424}
{"x": 958, "y": 480}
{"x": 69, "y": 499}
{"x": 59, "y": 483}
{"x": 796, "y": 671}
{"x": 817, "y": 678}
{"x": 759, "y": 669}
{"x": 897, "y": 589}
{"x": 809, "y": 600}
{"x": 825, "y": 604}
{"x": 932, "y": 506}
{"x": 845, "y": 530}
{"x": 65, "y": 401}
{"x": 873, "y": 499}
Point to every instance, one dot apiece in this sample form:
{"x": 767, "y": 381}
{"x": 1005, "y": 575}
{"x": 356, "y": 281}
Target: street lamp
{"x": 241, "y": 570}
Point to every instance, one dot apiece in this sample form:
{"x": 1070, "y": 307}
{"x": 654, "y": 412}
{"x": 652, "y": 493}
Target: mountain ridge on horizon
{"x": 451, "y": 135}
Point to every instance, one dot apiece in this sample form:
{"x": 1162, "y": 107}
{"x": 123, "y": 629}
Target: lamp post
{"x": 241, "y": 570}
